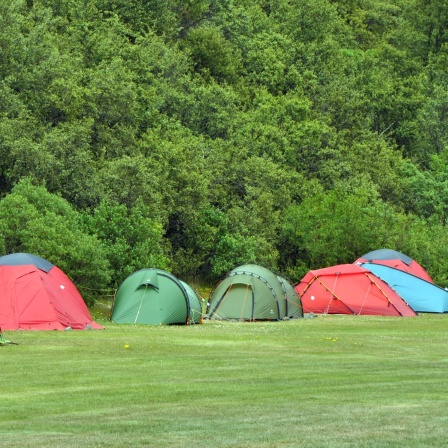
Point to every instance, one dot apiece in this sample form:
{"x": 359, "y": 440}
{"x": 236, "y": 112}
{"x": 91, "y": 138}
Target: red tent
{"x": 395, "y": 259}
{"x": 36, "y": 295}
{"x": 349, "y": 289}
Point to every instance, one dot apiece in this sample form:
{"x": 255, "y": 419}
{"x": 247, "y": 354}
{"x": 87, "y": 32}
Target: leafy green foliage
{"x": 212, "y": 54}
{"x": 32, "y": 220}
{"x": 131, "y": 238}
{"x": 338, "y": 227}
{"x": 202, "y": 134}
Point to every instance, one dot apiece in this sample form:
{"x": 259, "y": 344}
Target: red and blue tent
{"x": 349, "y": 289}
{"x": 421, "y": 295}
{"x": 397, "y": 260}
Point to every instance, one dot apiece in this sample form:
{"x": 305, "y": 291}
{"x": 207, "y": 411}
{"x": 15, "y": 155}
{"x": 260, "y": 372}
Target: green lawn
{"x": 331, "y": 381}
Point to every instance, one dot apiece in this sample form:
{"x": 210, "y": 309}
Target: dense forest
{"x": 196, "y": 135}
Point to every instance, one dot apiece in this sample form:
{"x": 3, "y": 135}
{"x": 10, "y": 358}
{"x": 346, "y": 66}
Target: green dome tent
{"x": 155, "y": 297}
{"x": 252, "y": 292}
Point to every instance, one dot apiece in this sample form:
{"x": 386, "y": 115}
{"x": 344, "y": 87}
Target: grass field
{"x": 331, "y": 381}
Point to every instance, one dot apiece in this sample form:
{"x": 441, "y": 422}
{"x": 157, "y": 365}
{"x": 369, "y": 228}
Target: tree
{"x": 338, "y": 227}
{"x": 132, "y": 239}
{"x": 427, "y": 191}
{"x": 433, "y": 21}
{"x": 213, "y": 55}
{"x": 32, "y": 220}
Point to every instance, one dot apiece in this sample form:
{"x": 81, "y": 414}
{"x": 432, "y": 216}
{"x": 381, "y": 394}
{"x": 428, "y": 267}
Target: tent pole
{"x": 140, "y": 306}
{"x": 218, "y": 305}
{"x": 384, "y": 294}
{"x": 334, "y": 295}
{"x": 244, "y": 302}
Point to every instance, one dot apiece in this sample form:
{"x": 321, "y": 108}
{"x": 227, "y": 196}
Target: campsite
{"x": 160, "y": 367}
{"x": 223, "y": 223}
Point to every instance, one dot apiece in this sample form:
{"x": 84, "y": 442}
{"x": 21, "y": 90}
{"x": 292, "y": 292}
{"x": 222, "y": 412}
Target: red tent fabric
{"x": 36, "y": 299}
{"x": 349, "y": 289}
{"x": 397, "y": 260}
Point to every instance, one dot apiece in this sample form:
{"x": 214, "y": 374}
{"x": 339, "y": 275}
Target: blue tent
{"x": 420, "y": 295}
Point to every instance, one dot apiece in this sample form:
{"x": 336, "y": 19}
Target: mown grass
{"x": 331, "y": 381}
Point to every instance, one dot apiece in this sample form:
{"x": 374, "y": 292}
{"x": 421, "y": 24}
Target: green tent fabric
{"x": 155, "y": 297}
{"x": 194, "y": 303}
{"x": 252, "y": 292}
